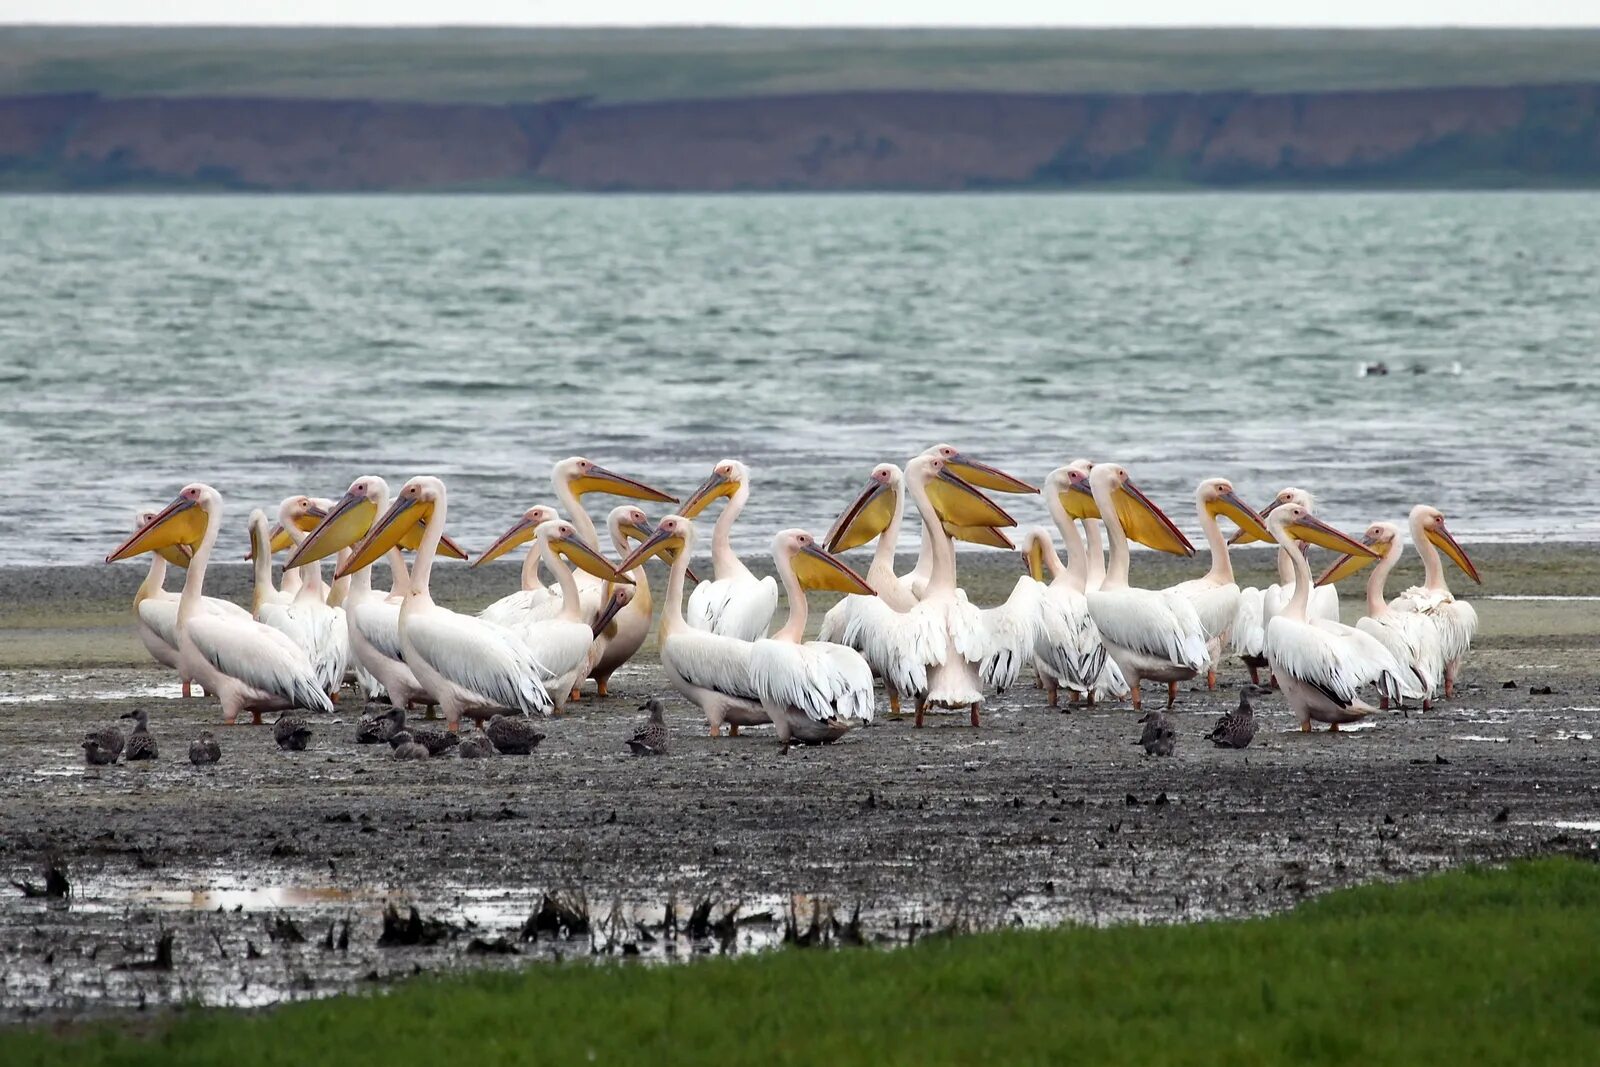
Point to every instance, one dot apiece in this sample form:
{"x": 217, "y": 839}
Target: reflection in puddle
{"x": 1479, "y": 737}
{"x": 1592, "y": 825}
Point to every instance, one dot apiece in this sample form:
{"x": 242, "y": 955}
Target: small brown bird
{"x": 1237, "y": 728}
{"x": 651, "y": 737}
{"x": 140, "y": 744}
{"x": 513, "y": 735}
{"x": 1159, "y": 736}
{"x": 96, "y": 756}
{"x": 405, "y": 748}
{"x": 292, "y": 733}
{"x": 376, "y": 729}
{"x": 437, "y": 742}
{"x": 204, "y": 749}
{"x": 476, "y": 746}
{"x": 107, "y": 739}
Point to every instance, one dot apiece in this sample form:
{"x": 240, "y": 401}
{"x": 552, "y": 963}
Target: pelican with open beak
{"x": 246, "y": 665}
{"x": 735, "y": 603}
{"x": 813, "y": 691}
{"x": 1457, "y": 620}
{"x": 1322, "y": 666}
{"x": 1215, "y": 596}
{"x": 473, "y": 667}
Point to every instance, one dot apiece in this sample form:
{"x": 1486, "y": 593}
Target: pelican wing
{"x": 1335, "y": 659}
{"x": 1067, "y": 640}
{"x": 1011, "y": 632}
{"x": 379, "y": 623}
{"x": 1151, "y": 622}
{"x": 740, "y": 607}
{"x": 1415, "y": 646}
{"x": 1249, "y": 629}
{"x": 479, "y": 657}
{"x": 259, "y": 656}
{"x": 823, "y": 680}
{"x": 523, "y": 607}
{"x": 1217, "y": 605}
{"x": 900, "y": 646}
{"x": 562, "y": 645}
{"x": 320, "y": 631}
{"x": 711, "y": 661}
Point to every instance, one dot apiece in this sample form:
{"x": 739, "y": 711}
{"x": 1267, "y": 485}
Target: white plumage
{"x": 1149, "y": 632}
{"x": 824, "y": 681}
{"x": 1011, "y": 631}
{"x": 1322, "y": 668}
{"x": 247, "y": 662}
{"x": 740, "y": 607}
{"x": 471, "y": 664}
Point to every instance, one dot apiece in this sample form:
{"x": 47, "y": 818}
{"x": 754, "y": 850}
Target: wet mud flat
{"x": 269, "y": 875}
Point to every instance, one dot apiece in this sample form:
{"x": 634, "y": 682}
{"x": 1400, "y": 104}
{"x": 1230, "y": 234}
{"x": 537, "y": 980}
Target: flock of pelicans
{"x": 1078, "y": 622}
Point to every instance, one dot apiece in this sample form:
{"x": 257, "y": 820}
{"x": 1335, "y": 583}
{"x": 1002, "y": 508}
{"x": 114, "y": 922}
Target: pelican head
{"x": 1429, "y": 522}
{"x": 814, "y": 566}
{"x": 182, "y": 522}
{"x": 348, "y": 519}
{"x": 979, "y": 474}
{"x": 957, "y": 501}
{"x": 1078, "y": 497}
{"x": 673, "y": 536}
{"x": 562, "y": 538}
{"x": 415, "y": 504}
{"x": 583, "y": 476}
{"x": 726, "y": 479}
{"x": 871, "y": 512}
{"x": 178, "y": 555}
{"x": 1288, "y": 495}
{"x": 1141, "y": 520}
{"x": 1217, "y": 497}
{"x": 521, "y": 532}
{"x": 301, "y": 512}
{"x": 629, "y": 524}
{"x": 1036, "y": 545}
{"x": 620, "y": 597}
{"x": 1294, "y": 522}
{"x": 1382, "y": 537}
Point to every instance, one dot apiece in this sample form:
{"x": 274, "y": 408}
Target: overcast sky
{"x": 817, "y": 12}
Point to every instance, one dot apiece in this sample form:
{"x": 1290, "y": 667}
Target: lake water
{"x": 279, "y": 345}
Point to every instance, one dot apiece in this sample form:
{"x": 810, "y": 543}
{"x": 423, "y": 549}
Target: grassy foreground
{"x": 1476, "y": 966}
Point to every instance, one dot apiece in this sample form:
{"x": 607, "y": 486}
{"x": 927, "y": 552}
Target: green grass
{"x": 501, "y": 64}
{"x": 1472, "y": 967}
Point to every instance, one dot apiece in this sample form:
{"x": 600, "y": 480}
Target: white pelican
{"x": 533, "y": 600}
{"x": 813, "y": 691}
{"x": 307, "y": 619}
{"x": 155, "y": 610}
{"x": 472, "y": 666}
{"x": 1215, "y": 596}
{"x": 262, "y": 541}
{"x": 1069, "y": 646}
{"x": 735, "y": 603}
{"x": 1258, "y": 606}
{"x": 372, "y": 618}
{"x": 248, "y": 666}
{"x": 1456, "y": 619}
{"x": 1412, "y": 638}
{"x": 561, "y": 643}
{"x": 576, "y": 477}
{"x": 939, "y": 648}
{"x": 1151, "y": 633}
{"x": 711, "y": 671}
{"x": 619, "y": 637}
{"x": 1322, "y": 666}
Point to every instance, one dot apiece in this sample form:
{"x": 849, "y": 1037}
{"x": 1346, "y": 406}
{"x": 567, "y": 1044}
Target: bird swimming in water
{"x": 1237, "y": 728}
{"x": 292, "y": 733}
{"x": 107, "y": 739}
{"x": 204, "y": 749}
{"x": 407, "y": 748}
{"x": 513, "y": 735}
{"x": 141, "y": 745}
{"x": 1159, "y": 737}
{"x": 650, "y": 739}
{"x": 376, "y": 729}
{"x": 475, "y": 747}
{"x": 95, "y": 755}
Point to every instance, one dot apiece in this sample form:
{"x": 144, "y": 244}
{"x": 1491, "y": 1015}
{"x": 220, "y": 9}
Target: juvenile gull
{"x": 1158, "y": 737}
{"x": 95, "y": 755}
{"x": 476, "y": 746}
{"x": 650, "y": 738}
{"x": 513, "y": 735}
{"x": 376, "y": 729}
{"x": 108, "y": 739}
{"x": 405, "y": 748}
{"x": 292, "y": 733}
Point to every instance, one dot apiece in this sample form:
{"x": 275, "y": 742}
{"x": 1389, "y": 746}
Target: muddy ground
{"x": 1038, "y": 817}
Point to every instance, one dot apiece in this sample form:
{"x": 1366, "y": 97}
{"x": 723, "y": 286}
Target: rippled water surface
{"x": 277, "y": 345}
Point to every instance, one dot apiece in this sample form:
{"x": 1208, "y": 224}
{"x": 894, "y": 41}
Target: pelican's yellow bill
{"x": 817, "y": 568}
{"x": 962, "y": 504}
{"x": 1444, "y": 542}
{"x": 865, "y": 519}
{"x": 600, "y": 480}
{"x": 182, "y": 522}
{"x": 1147, "y": 524}
{"x": 980, "y": 535}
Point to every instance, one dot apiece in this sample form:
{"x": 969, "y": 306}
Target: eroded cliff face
{"x": 892, "y": 140}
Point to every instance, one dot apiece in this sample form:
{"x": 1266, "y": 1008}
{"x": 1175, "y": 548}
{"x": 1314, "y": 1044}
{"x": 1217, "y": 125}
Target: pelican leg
{"x": 1272, "y": 680}
{"x": 1088, "y": 698}
{"x": 1052, "y": 693}
{"x": 1449, "y": 681}
{"x": 1383, "y": 702}
{"x": 255, "y": 718}
{"x": 1333, "y": 727}
{"x": 921, "y": 707}
{"x": 1172, "y": 694}
{"x": 186, "y": 693}
{"x": 600, "y": 686}
{"x": 432, "y": 712}
{"x": 733, "y": 731}
{"x": 1255, "y": 676}
{"x": 1305, "y": 726}
{"x": 1134, "y": 692}
{"x": 575, "y": 694}
{"x": 1211, "y": 677}
{"x": 1427, "y": 703}
{"x": 976, "y": 710}
{"x": 894, "y": 703}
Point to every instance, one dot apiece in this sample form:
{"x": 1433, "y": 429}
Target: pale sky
{"x": 814, "y": 12}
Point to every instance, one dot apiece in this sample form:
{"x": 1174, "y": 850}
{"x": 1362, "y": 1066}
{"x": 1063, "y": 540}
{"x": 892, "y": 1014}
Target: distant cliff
{"x": 858, "y": 140}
